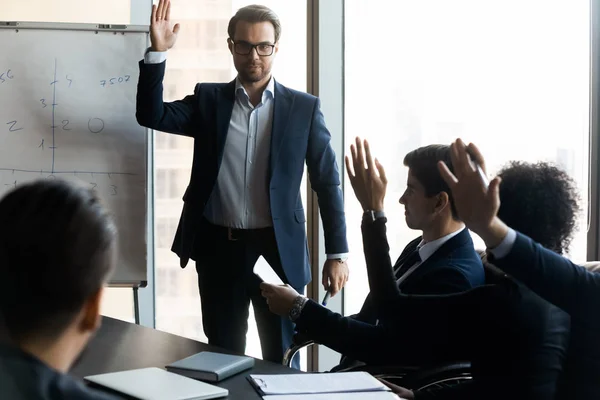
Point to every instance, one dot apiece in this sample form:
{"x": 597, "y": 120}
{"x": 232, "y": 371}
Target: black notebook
{"x": 212, "y": 367}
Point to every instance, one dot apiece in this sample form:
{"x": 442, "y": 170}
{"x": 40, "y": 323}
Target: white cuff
{"x": 505, "y": 246}
{"x": 343, "y": 256}
{"x": 155, "y": 57}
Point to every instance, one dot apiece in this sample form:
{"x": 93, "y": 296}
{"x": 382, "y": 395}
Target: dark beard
{"x": 252, "y": 78}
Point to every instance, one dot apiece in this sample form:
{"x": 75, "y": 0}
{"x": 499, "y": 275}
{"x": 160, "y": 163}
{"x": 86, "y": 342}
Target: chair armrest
{"x": 298, "y": 344}
{"x": 424, "y": 377}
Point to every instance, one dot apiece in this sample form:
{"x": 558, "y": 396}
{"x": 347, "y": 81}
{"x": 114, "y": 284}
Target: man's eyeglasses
{"x": 244, "y": 48}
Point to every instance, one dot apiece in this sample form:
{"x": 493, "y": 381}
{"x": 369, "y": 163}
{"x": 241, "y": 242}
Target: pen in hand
{"x": 326, "y": 298}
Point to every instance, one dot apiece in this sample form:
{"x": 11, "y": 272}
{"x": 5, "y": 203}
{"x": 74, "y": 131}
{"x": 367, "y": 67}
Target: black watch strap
{"x": 371, "y": 215}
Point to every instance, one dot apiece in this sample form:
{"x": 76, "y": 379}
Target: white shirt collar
{"x": 426, "y": 250}
{"x": 270, "y": 89}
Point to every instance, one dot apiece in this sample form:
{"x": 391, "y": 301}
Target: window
{"x": 499, "y": 74}
{"x": 205, "y": 58}
{"x": 161, "y": 192}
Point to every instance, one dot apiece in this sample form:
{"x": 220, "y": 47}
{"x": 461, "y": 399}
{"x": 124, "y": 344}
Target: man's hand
{"x": 477, "y": 205}
{"x": 279, "y": 298}
{"x": 369, "y": 183}
{"x": 161, "y": 35}
{"x": 335, "y": 276}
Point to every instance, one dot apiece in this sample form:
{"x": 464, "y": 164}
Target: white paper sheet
{"x": 342, "y": 382}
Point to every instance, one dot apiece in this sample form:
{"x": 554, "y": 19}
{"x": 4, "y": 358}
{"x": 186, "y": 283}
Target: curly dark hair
{"x": 541, "y": 201}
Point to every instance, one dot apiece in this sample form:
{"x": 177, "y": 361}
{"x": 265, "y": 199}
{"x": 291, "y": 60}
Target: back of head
{"x": 423, "y": 163}
{"x": 56, "y": 251}
{"x": 540, "y": 201}
{"x": 253, "y": 14}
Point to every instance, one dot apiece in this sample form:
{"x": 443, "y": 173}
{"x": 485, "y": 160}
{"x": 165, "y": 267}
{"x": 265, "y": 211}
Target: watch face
{"x": 294, "y": 312}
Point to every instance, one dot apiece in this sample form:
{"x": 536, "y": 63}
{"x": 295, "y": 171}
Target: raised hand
{"x": 369, "y": 183}
{"x": 161, "y": 35}
{"x": 476, "y": 202}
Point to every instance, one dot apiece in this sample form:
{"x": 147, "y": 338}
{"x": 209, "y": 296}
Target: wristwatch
{"x": 372, "y": 215}
{"x": 340, "y": 259}
{"x": 297, "y": 307}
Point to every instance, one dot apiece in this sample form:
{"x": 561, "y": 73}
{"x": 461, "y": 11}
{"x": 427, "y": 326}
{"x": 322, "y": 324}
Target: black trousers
{"x": 224, "y": 262}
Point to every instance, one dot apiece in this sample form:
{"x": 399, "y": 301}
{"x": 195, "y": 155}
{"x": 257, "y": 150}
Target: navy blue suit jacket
{"x": 298, "y": 135}
{"x": 454, "y": 267}
{"x": 573, "y": 289}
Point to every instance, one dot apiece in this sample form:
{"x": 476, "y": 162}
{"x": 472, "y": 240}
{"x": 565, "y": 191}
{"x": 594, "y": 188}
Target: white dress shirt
{"x": 240, "y": 198}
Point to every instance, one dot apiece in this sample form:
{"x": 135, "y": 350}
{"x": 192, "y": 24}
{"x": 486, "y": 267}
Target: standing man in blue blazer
{"x": 252, "y": 137}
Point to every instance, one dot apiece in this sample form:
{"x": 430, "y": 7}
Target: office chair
{"x": 447, "y": 374}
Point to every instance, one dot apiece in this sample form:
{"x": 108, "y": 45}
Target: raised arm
{"x": 180, "y": 117}
{"x": 382, "y": 282}
{"x": 553, "y": 277}
{"x": 550, "y": 275}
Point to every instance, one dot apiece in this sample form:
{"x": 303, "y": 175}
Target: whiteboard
{"x": 67, "y": 110}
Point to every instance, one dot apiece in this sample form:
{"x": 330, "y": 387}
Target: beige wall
{"x": 84, "y": 11}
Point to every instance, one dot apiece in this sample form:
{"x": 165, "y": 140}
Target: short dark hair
{"x": 55, "y": 253}
{"x": 423, "y": 163}
{"x": 541, "y": 201}
{"x": 255, "y": 13}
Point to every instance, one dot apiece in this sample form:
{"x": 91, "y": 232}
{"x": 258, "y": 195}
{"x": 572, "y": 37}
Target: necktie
{"x": 408, "y": 262}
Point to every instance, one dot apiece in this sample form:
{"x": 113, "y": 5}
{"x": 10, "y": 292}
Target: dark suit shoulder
{"x": 294, "y": 92}
{"x": 301, "y": 99}
{"x": 24, "y": 377}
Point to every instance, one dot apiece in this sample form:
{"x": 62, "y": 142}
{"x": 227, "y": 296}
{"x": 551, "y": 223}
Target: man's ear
{"x": 91, "y": 317}
{"x": 443, "y": 201}
{"x": 230, "y": 45}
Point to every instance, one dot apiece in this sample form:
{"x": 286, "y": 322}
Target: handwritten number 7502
{"x": 115, "y": 80}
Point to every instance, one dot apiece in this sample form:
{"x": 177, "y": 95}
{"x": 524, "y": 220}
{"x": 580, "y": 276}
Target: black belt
{"x": 234, "y": 234}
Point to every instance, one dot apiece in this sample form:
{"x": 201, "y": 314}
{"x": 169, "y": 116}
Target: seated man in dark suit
{"x": 442, "y": 260}
{"x": 57, "y": 250}
{"x": 551, "y": 276}
{"x": 515, "y": 340}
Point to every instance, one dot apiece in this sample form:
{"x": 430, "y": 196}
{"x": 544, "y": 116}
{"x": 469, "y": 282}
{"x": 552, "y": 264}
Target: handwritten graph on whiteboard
{"x": 67, "y": 110}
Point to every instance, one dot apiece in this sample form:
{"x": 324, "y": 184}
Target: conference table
{"x": 119, "y": 346}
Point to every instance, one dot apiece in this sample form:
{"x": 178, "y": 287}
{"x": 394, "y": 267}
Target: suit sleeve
{"x": 382, "y": 282}
{"x": 179, "y": 117}
{"x": 554, "y": 278}
{"x": 372, "y": 344}
{"x": 325, "y": 180}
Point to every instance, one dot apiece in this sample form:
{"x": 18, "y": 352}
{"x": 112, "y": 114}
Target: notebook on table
{"x": 336, "y": 396}
{"x": 316, "y": 383}
{"x": 209, "y": 366}
{"x": 157, "y": 384}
